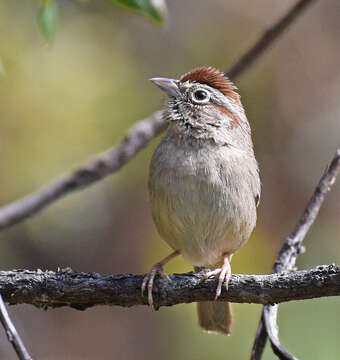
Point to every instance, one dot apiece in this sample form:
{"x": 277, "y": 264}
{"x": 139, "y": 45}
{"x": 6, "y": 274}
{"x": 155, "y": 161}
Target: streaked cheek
{"x": 223, "y": 115}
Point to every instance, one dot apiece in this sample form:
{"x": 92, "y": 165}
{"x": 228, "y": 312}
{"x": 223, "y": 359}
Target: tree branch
{"x": 138, "y": 137}
{"x": 12, "y": 334}
{"x": 83, "y": 290}
{"x": 268, "y": 38}
{"x": 88, "y": 174}
{"x": 286, "y": 260}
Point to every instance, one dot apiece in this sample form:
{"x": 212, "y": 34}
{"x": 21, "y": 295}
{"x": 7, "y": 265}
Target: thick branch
{"x": 83, "y": 290}
{"x": 138, "y": 137}
{"x": 286, "y": 261}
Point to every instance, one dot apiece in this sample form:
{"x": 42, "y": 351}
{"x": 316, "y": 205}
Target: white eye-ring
{"x": 200, "y": 96}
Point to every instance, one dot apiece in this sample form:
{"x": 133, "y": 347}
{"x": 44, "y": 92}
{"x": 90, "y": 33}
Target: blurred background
{"x": 63, "y": 102}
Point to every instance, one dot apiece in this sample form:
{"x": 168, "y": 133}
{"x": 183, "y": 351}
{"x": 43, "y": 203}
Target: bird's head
{"x": 204, "y": 104}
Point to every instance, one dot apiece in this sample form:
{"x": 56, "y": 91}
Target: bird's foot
{"x": 149, "y": 278}
{"x": 224, "y": 275}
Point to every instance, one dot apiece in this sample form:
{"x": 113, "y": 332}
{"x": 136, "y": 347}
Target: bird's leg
{"x": 224, "y": 274}
{"x": 157, "y": 269}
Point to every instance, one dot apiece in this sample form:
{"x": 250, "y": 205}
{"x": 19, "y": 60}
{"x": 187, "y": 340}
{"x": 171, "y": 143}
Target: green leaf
{"x": 48, "y": 18}
{"x": 156, "y": 9}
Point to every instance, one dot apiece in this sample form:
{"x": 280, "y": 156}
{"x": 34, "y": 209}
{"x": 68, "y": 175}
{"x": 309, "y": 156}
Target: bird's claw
{"x": 149, "y": 278}
{"x": 224, "y": 276}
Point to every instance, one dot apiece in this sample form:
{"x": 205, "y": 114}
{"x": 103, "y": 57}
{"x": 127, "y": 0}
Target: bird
{"x": 204, "y": 183}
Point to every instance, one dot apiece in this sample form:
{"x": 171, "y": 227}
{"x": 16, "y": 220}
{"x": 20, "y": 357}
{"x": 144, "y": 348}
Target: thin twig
{"x": 83, "y": 290}
{"x": 12, "y": 334}
{"x": 138, "y": 137}
{"x": 268, "y": 38}
{"x": 97, "y": 169}
{"x": 286, "y": 260}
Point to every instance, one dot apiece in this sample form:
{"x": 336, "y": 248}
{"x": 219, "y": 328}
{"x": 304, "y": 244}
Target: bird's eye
{"x": 200, "y": 96}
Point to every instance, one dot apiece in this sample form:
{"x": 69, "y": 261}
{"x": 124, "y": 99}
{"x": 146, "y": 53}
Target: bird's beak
{"x": 170, "y": 86}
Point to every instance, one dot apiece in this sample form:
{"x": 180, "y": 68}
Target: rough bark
{"x": 82, "y": 290}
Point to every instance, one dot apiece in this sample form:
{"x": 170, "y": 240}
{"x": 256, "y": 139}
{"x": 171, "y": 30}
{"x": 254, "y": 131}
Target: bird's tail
{"x": 215, "y": 316}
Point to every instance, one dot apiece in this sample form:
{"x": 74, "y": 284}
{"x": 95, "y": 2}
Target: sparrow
{"x": 204, "y": 183}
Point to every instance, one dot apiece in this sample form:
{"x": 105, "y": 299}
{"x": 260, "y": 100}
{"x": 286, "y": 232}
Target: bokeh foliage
{"x": 63, "y": 102}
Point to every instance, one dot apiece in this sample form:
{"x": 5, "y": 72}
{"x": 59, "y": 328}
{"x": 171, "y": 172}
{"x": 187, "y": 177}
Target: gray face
{"x": 201, "y": 111}
{"x": 198, "y": 111}
{"x": 197, "y": 94}
{"x": 195, "y": 106}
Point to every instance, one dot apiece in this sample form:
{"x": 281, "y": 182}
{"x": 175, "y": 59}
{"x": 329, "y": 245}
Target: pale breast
{"x": 202, "y": 199}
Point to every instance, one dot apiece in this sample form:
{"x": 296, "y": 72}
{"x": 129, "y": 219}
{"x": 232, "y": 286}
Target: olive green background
{"x": 63, "y": 102}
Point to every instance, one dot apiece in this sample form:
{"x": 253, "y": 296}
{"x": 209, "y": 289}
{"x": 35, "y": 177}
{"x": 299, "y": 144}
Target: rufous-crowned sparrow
{"x": 204, "y": 182}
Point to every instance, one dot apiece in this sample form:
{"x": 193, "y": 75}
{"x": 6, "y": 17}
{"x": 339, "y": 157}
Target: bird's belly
{"x": 197, "y": 212}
